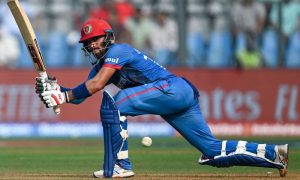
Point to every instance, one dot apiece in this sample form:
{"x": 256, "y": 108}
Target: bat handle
{"x": 56, "y": 109}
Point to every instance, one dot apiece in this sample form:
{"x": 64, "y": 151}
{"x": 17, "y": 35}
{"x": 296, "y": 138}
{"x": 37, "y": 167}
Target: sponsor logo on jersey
{"x": 113, "y": 60}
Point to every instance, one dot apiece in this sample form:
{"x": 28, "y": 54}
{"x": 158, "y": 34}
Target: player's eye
{"x": 87, "y": 43}
{"x": 86, "y": 46}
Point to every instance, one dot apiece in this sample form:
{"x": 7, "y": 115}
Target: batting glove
{"x": 54, "y": 97}
{"x": 43, "y": 84}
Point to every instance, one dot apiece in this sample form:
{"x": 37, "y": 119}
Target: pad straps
{"x": 261, "y": 150}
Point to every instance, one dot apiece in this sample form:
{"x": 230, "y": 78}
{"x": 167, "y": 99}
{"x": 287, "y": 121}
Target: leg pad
{"x": 241, "y": 157}
{"x": 113, "y": 140}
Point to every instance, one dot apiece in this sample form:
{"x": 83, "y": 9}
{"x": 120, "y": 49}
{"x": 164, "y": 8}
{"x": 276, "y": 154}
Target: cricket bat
{"x": 29, "y": 38}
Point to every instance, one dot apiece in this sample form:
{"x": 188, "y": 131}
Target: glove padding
{"x": 54, "y": 97}
{"x": 43, "y": 84}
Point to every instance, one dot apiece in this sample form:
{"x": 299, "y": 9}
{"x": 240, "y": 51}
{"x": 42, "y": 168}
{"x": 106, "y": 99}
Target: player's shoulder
{"x": 119, "y": 48}
{"x": 119, "y": 51}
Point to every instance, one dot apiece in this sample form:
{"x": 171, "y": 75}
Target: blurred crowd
{"x": 218, "y": 33}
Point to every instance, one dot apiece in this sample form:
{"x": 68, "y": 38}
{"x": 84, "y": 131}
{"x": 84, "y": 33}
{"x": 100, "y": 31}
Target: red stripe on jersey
{"x": 139, "y": 93}
{"x": 112, "y": 66}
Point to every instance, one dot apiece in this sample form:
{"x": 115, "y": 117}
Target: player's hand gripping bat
{"x": 29, "y": 38}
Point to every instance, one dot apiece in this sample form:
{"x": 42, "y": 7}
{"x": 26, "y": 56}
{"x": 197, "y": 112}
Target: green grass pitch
{"x": 167, "y": 158}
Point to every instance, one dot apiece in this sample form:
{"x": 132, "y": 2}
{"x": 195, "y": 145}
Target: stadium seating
{"x": 293, "y": 51}
{"x": 57, "y": 51}
{"x": 196, "y": 49}
{"x": 220, "y": 49}
{"x": 270, "y": 48}
{"x": 206, "y": 45}
{"x": 240, "y": 42}
{"x": 25, "y": 61}
{"x": 77, "y": 58}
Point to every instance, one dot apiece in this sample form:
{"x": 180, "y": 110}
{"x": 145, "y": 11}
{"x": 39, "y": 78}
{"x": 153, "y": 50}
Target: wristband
{"x": 81, "y": 91}
{"x": 64, "y": 89}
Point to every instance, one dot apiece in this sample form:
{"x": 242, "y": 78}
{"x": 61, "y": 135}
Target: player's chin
{"x": 98, "y": 54}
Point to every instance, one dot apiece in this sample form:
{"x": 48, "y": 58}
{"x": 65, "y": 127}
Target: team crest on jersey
{"x": 87, "y": 29}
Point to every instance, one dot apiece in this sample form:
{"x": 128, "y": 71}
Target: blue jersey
{"x": 133, "y": 67}
{"x": 154, "y": 90}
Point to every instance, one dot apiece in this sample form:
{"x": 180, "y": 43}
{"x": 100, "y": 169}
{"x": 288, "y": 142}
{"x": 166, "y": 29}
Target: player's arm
{"x": 93, "y": 85}
{"x": 42, "y": 85}
{"x": 56, "y": 97}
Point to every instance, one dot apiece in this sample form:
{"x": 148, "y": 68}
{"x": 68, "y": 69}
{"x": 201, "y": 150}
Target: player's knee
{"x": 128, "y": 109}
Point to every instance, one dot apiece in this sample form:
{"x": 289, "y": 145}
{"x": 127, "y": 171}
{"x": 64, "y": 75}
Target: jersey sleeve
{"x": 117, "y": 57}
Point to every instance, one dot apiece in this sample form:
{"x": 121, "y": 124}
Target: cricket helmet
{"x": 94, "y": 27}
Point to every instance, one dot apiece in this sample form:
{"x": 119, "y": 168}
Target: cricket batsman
{"x": 148, "y": 88}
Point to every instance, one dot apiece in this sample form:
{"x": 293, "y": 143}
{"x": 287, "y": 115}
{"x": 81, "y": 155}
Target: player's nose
{"x": 92, "y": 44}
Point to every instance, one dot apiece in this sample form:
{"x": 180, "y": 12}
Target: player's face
{"x": 95, "y": 45}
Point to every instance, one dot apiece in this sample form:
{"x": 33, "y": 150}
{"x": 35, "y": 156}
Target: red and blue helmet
{"x": 95, "y": 27}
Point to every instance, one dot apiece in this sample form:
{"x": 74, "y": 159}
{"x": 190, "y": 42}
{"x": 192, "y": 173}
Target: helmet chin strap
{"x": 102, "y": 55}
{"x": 93, "y": 58}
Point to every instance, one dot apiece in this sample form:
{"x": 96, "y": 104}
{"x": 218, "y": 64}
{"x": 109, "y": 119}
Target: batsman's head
{"x": 96, "y": 37}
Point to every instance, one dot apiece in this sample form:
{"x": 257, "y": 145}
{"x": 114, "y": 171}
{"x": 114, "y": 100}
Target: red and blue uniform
{"x": 148, "y": 88}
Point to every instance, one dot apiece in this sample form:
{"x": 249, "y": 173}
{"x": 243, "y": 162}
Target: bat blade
{"x": 29, "y": 38}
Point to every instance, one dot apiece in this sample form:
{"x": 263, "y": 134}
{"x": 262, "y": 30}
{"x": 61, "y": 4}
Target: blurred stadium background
{"x": 243, "y": 55}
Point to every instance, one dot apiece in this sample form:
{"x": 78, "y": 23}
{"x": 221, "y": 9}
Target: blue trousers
{"x": 175, "y": 100}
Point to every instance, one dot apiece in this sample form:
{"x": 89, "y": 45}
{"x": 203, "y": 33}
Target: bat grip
{"x": 56, "y": 109}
